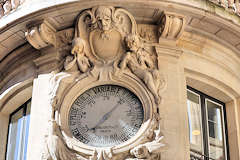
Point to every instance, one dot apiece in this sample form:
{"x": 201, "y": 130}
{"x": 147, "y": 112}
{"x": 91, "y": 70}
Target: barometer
{"x": 105, "y": 116}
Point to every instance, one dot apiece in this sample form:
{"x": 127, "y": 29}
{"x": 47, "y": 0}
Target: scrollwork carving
{"x": 7, "y": 6}
{"x": 105, "y": 26}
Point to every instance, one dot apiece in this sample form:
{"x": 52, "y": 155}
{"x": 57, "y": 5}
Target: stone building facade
{"x": 116, "y": 80}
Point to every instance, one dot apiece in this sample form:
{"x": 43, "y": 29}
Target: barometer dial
{"x": 105, "y": 116}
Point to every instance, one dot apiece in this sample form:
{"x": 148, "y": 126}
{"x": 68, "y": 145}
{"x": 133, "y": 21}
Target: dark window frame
{"x": 24, "y": 107}
{"x": 203, "y": 98}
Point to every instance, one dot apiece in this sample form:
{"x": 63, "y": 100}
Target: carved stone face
{"x": 133, "y": 42}
{"x": 104, "y": 20}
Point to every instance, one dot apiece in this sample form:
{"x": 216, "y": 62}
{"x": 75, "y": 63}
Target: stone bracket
{"x": 171, "y": 27}
{"x": 41, "y": 35}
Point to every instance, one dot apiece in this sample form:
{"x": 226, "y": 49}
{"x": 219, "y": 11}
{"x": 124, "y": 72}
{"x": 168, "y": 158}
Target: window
{"x": 18, "y": 133}
{"x": 207, "y": 133}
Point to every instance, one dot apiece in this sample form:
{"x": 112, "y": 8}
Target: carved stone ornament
{"x": 106, "y": 49}
{"x": 104, "y": 28}
{"x": 41, "y": 35}
{"x": 171, "y": 26}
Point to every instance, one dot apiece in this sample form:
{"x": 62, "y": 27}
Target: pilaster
{"x": 40, "y": 113}
{"x": 173, "y": 110}
{"x": 233, "y": 119}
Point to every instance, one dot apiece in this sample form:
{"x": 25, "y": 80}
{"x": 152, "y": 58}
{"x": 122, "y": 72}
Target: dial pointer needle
{"x": 106, "y": 116}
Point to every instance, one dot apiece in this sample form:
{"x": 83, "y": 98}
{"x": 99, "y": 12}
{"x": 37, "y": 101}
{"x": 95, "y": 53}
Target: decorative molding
{"x": 50, "y": 60}
{"x": 56, "y": 148}
{"x": 171, "y": 51}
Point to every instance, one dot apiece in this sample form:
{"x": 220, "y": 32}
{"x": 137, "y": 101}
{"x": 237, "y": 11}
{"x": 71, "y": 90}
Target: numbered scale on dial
{"x": 105, "y": 116}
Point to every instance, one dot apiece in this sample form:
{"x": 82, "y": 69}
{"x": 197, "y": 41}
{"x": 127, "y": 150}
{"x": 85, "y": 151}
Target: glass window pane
{"x": 195, "y": 126}
{"x": 18, "y": 133}
{"x": 27, "y": 121}
{"x": 14, "y": 135}
{"x": 215, "y": 130}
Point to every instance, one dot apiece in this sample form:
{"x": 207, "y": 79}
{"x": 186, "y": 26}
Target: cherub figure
{"x": 140, "y": 64}
{"x": 78, "y": 59}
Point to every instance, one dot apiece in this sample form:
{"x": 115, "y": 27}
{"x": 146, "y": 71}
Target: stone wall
{"x": 196, "y": 51}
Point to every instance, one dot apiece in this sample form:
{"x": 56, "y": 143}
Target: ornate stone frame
{"x": 126, "y": 80}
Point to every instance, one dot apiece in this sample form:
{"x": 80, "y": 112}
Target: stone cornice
{"x": 196, "y": 9}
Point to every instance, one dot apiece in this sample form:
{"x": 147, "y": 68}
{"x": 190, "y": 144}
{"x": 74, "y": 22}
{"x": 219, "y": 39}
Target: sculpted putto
{"x": 141, "y": 64}
{"x": 78, "y": 59}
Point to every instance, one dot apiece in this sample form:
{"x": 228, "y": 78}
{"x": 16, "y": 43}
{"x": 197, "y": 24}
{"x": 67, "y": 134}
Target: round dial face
{"x": 105, "y": 116}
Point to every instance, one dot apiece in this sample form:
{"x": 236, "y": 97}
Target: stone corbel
{"x": 171, "y": 26}
{"x": 41, "y": 35}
